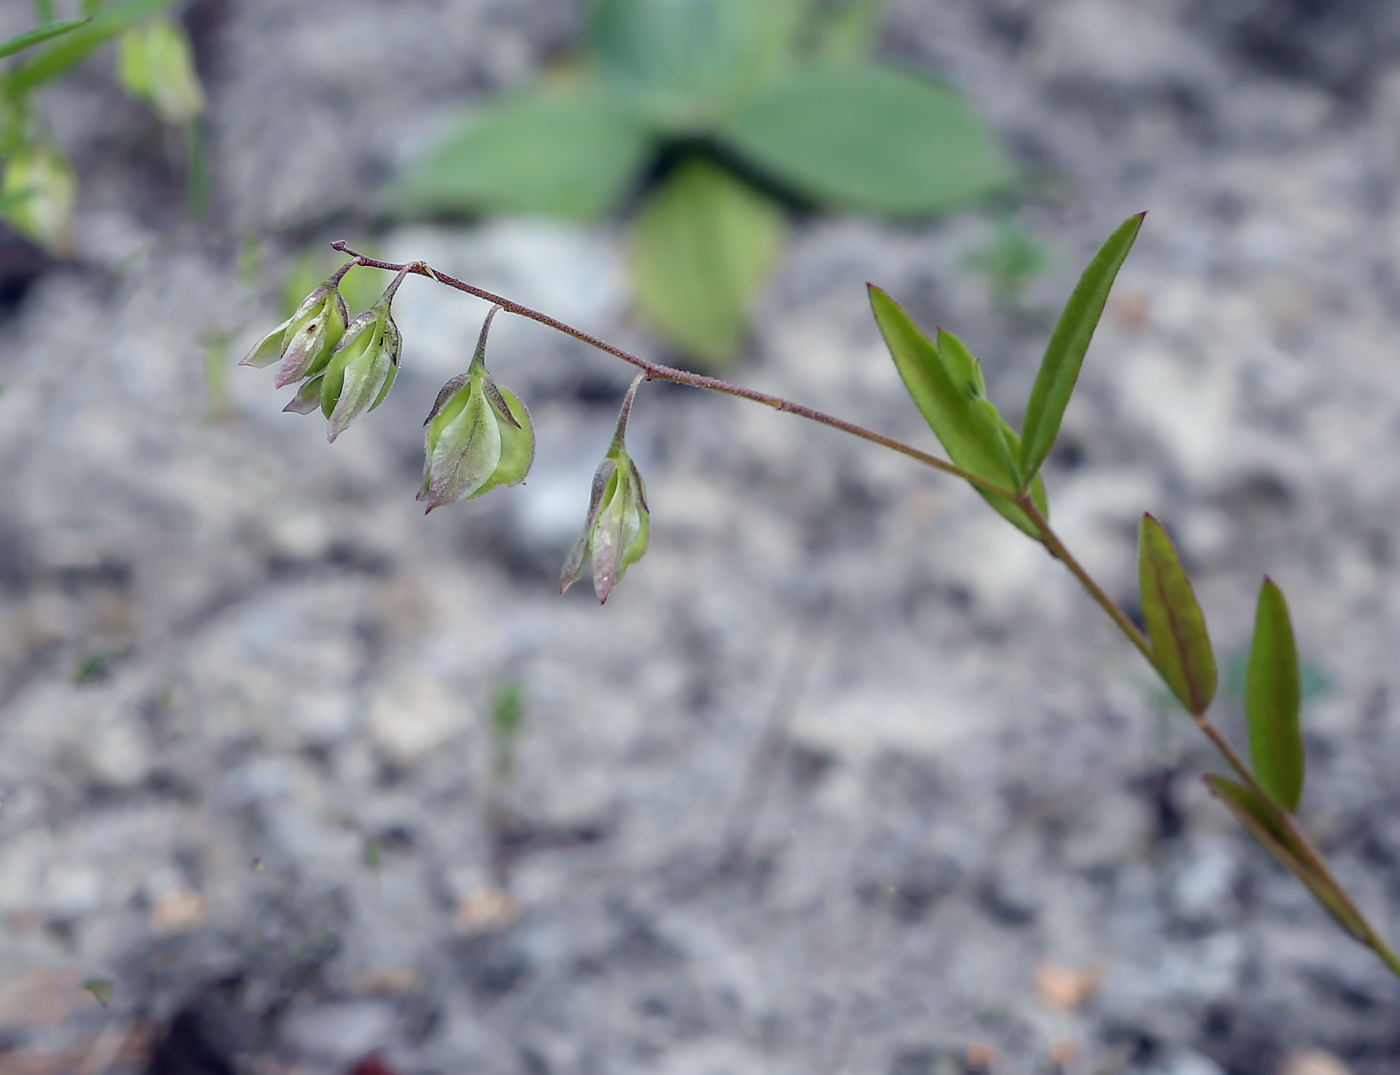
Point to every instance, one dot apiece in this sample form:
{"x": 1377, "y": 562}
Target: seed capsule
{"x": 304, "y": 342}
{"x": 478, "y": 438}
{"x": 363, "y": 365}
{"x": 618, "y": 526}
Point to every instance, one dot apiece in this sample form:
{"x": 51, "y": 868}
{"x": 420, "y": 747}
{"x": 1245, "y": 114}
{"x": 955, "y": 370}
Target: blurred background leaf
{"x": 873, "y": 138}
{"x": 674, "y": 61}
{"x": 785, "y": 86}
{"x": 1008, "y": 261}
{"x": 36, "y": 36}
{"x": 703, "y": 245}
{"x": 39, "y": 190}
{"x": 73, "y": 48}
{"x": 561, "y": 149}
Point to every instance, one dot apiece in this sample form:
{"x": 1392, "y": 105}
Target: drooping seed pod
{"x": 618, "y": 526}
{"x": 304, "y": 342}
{"x": 363, "y": 365}
{"x": 478, "y": 436}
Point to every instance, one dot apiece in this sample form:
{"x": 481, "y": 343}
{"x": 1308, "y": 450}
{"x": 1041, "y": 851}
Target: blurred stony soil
{"x": 847, "y": 777}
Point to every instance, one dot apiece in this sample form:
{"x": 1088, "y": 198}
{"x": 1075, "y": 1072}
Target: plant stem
{"x": 654, "y": 371}
{"x": 1314, "y": 860}
{"x": 1059, "y": 552}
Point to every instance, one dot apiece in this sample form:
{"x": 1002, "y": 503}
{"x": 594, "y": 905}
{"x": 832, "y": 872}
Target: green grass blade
{"x": 1180, "y": 645}
{"x": 39, "y": 34}
{"x": 1059, "y": 369}
{"x": 1260, "y": 818}
{"x": 73, "y": 47}
{"x": 1273, "y": 690}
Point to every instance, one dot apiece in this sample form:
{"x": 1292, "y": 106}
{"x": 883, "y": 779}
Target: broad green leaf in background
{"x": 1264, "y": 823}
{"x": 847, "y": 34}
{"x": 945, "y": 383}
{"x": 1181, "y": 648}
{"x": 1273, "y": 689}
{"x": 72, "y": 48}
{"x": 869, "y": 137}
{"x": 557, "y": 149}
{"x": 37, "y": 35}
{"x": 671, "y": 60}
{"x": 703, "y": 245}
{"x": 1059, "y": 369}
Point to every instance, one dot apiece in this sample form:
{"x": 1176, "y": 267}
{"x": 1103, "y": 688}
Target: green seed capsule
{"x": 478, "y": 437}
{"x": 618, "y": 526}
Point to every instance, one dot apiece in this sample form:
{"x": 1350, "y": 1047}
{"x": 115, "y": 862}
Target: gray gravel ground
{"x": 847, "y": 776}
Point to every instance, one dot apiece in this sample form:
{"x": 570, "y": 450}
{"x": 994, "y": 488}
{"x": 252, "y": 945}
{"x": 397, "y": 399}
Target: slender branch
{"x": 655, "y": 371}
{"x": 1314, "y": 860}
{"x": 1059, "y": 552}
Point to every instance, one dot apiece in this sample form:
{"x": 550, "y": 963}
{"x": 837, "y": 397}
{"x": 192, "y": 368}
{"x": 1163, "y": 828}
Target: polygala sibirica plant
{"x": 479, "y": 437}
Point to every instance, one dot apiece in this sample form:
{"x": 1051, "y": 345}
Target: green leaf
{"x": 1265, "y": 824}
{"x": 1180, "y": 645}
{"x": 39, "y": 34}
{"x": 966, "y": 374}
{"x": 946, "y": 385}
{"x": 703, "y": 246}
{"x": 560, "y": 150}
{"x": 847, "y": 34}
{"x": 75, "y": 45}
{"x": 1273, "y": 689}
{"x": 868, "y": 137}
{"x": 674, "y": 61}
{"x": 1059, "y": 369}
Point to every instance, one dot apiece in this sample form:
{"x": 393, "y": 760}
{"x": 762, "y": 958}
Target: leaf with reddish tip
{"x": 1059, "y": 369}
{"x": 1273, "y": 689}
{"x": 1267, "y": 825}
{"x": 1181, "y": 649}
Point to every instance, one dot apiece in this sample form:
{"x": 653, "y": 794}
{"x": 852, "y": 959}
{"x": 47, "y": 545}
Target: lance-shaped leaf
{"x": 1180, "y": 645}
{"x": 1273, "y": 830}
{"x": 946, "y": 385}
{"x": 945, "y": 395}
{"x": 1272, "y": 691}
{"x": 40, "y": 33}
{"x": 1059, "y": 369}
